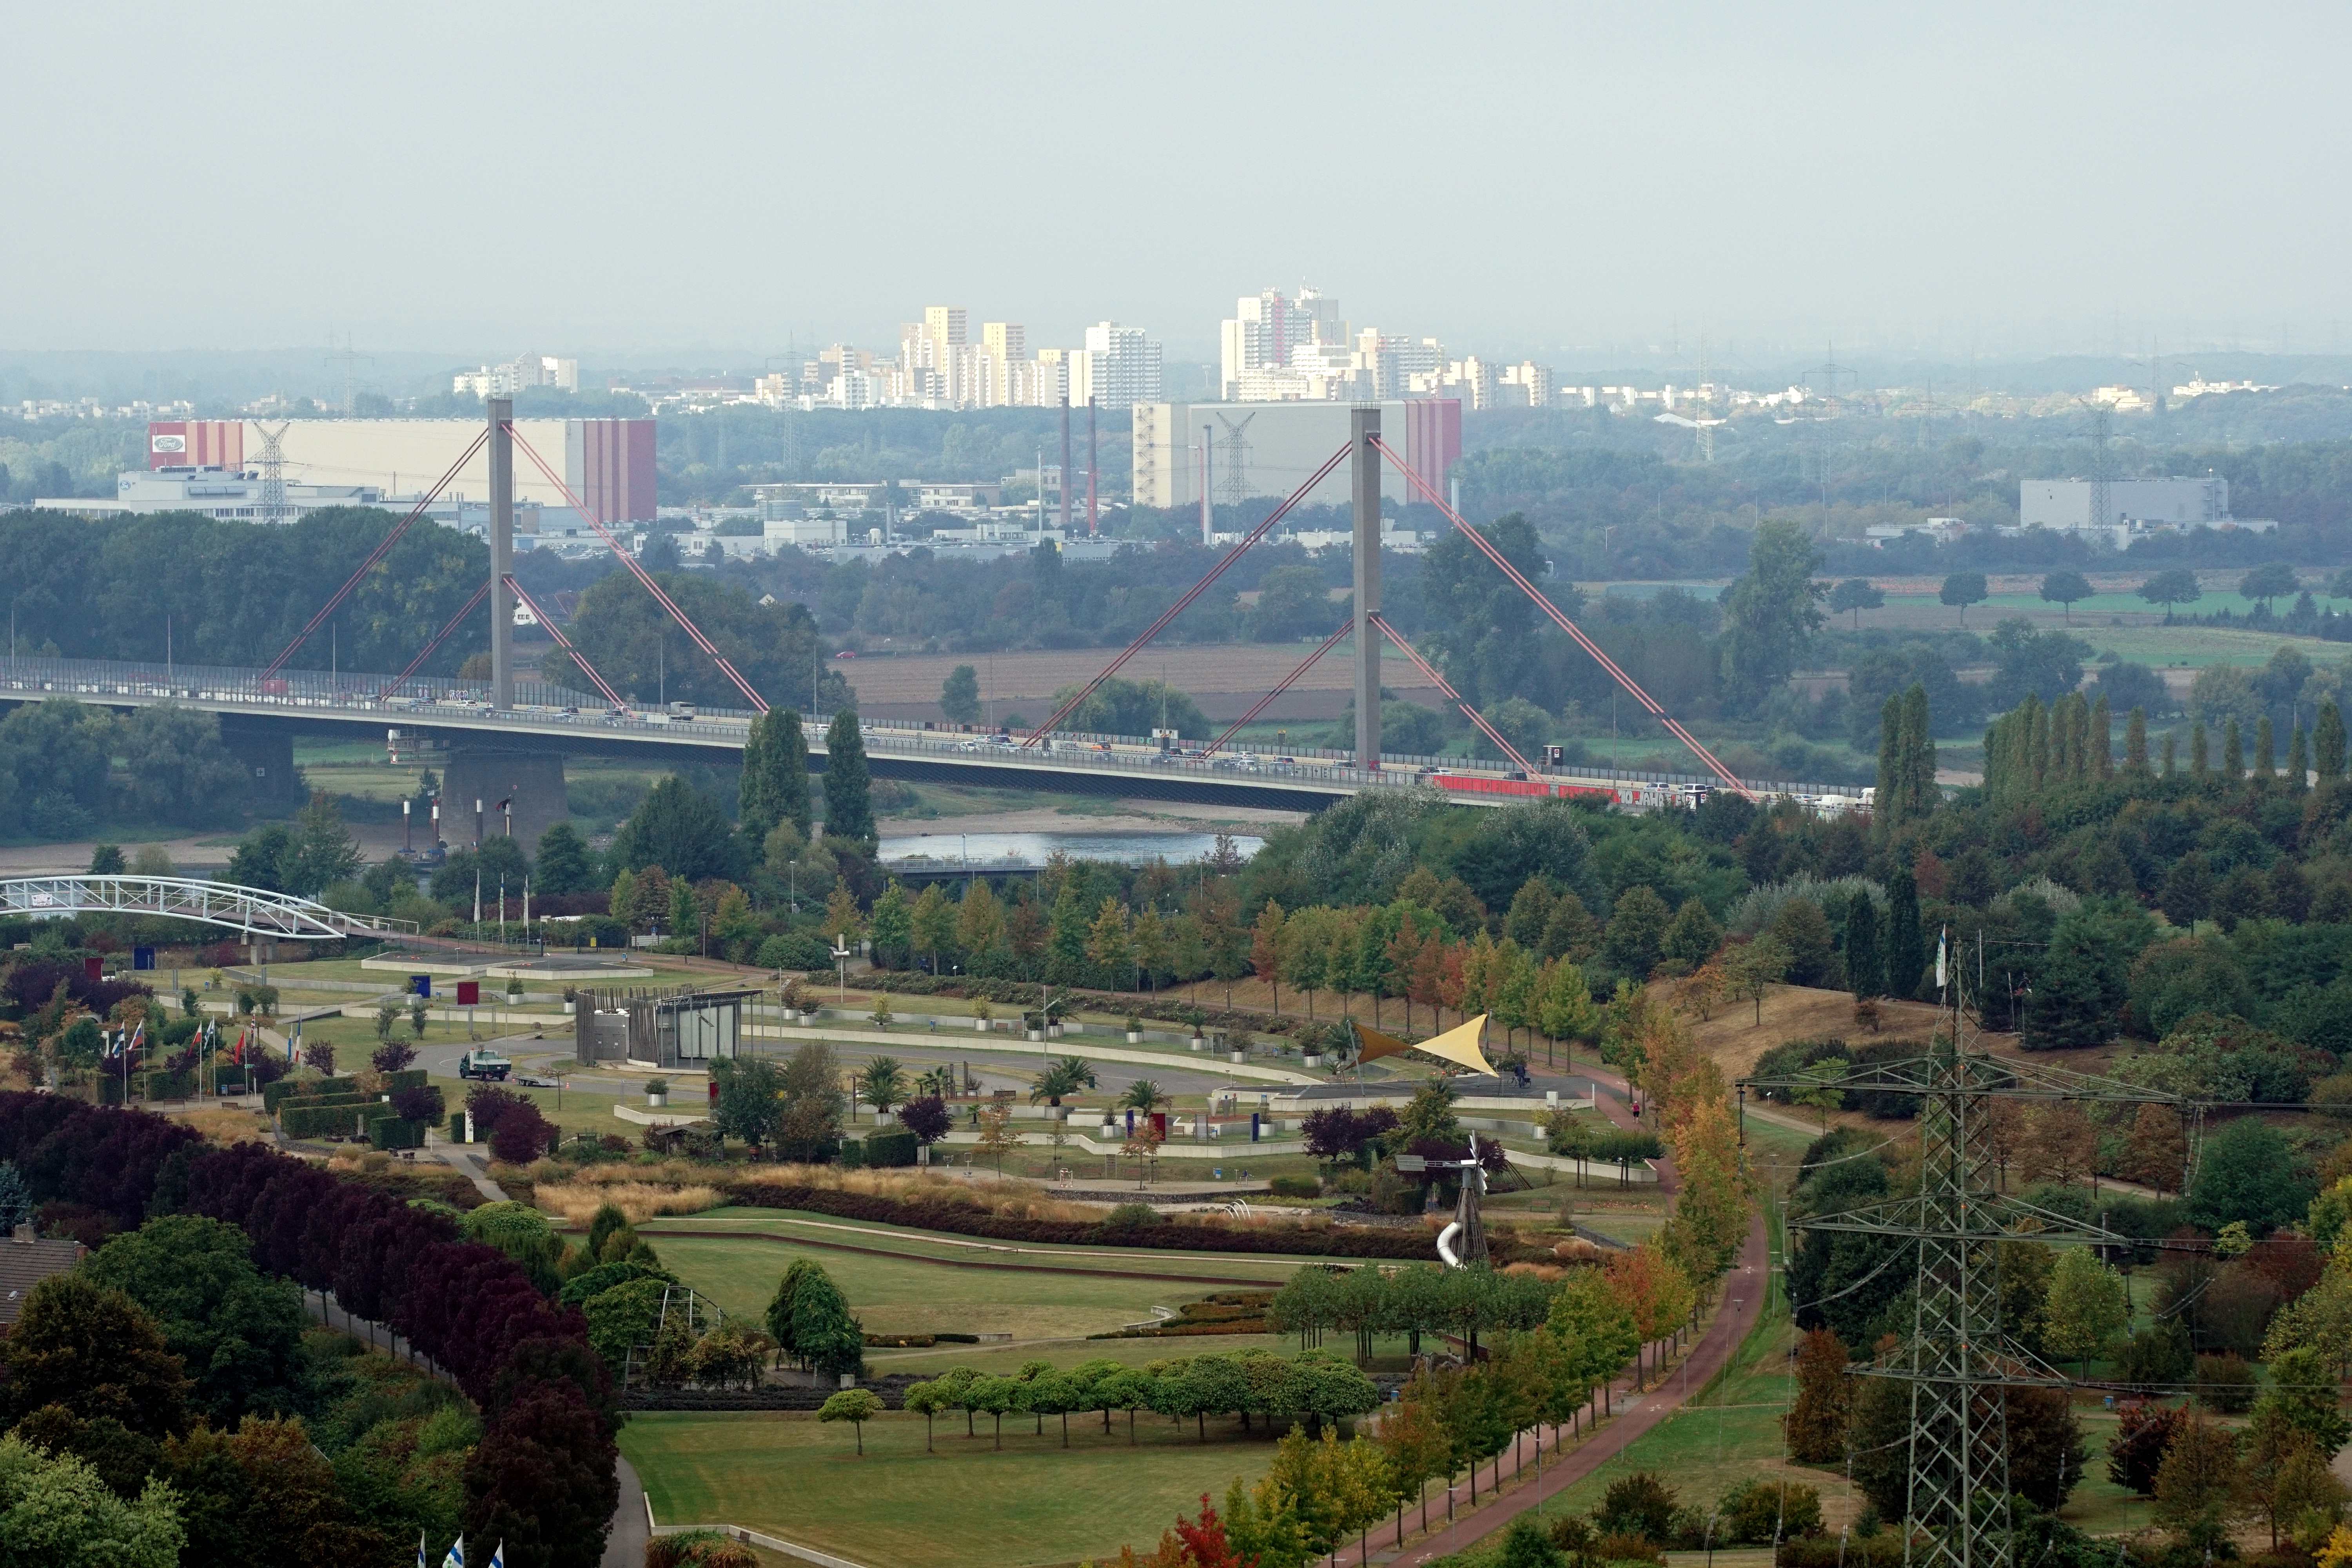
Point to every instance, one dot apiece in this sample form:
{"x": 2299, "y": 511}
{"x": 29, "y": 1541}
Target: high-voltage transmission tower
{"x": 1957, "y": 1359}
{"x": 1234, "y": 483}
{"x": 272, "y": 463}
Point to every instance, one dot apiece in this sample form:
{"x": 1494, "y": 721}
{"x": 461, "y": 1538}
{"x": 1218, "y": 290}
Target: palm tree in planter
{"x": 1143, "y": 1097}
{"x": 1062, "y": 1079}
{"x": 884, "y": 1083}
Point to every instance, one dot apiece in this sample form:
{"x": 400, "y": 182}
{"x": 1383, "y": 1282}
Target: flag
{"x": 499, "y": 1558}
{"x": 456, "y": 1558}
{"x": 1943, "y": 940}
{"x": 420, "y": 1551}
{"x": 137, "y": 1039}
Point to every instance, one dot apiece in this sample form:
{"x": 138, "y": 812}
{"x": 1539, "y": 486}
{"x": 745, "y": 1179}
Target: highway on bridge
{"x": 562, "y": 721}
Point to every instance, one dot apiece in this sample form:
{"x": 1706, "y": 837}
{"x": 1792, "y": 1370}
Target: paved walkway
{"x": 1636, "y": 1414}
{"x": 459, "y": 1157}
{"x": 625, "y": 1545}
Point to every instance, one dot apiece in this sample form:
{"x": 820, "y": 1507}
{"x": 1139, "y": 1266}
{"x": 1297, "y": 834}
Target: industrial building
{"x": 1254, "y": 449}
{"x": 608, "y": 463}
{"x": 2065, "y": 504}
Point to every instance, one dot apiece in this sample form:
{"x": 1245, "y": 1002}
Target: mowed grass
{"x": 913, "y": 1296}
{"x": 1218, "y": 1268}
{"x": 1034, "y": 1503}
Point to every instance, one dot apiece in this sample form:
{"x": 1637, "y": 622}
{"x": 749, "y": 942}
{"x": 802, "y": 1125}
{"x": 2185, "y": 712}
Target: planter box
{"x": 980, "y": 1025}
{"x": 1199, "y": 1044}
{"x": 807, "y": 1019}
{"x": 658, "y": 1101}
{"x": 792, "y": 1015}
{"x": 1236, "y": 1056}
{"x": 1052, "y": 1031}
{"x": 1075, "y": 1028}
{"x": 1135, "y": 1036}
{"x": 1035, "y": 1036}
{"x": 1313, "y": 1060}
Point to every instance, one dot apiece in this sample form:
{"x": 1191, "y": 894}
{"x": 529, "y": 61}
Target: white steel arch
{"x": 254, "y": 910}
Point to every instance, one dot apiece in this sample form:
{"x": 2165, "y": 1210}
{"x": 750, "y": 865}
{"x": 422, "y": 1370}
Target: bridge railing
{"x": 425, "y": 698}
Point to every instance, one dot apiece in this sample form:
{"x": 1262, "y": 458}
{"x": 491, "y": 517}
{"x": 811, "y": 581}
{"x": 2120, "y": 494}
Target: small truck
{"x": 485, "y": 1065}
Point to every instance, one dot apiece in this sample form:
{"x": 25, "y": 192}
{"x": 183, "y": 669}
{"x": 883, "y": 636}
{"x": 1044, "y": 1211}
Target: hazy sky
{"x": 584, "y": 178}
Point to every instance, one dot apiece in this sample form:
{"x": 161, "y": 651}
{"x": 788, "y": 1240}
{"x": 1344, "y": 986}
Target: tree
{"x": 2267, "y": 583}
{"x": 1636, "y": 932}
{"x": 2065, "y": 588}
{"x": 855, "y": 1406}
{"x": 2327, "y": 745}
{"x": 106, "y": 860}
{"x": 1692, "y": 936}
{"x": 2286, "y": 1475}
{"x": 262, "y": 1493}
{"x": 1063, "y": 1077}
{"x": 960, "y": 695}
{"x": 1856, "y": 594}
{"x": 2199, "y": 1488}
{"x": 2248, "y": 1172}
{"x": 775, "y": 787}
{"x": 54, "y": 1510}
{"x": 1906, "y": 944}
{"x": 928, "y": 1118}
{"x": 321, "y": 851}
{"x": 680, "y": 830}
{"x": 89, "y": 1349}
{"x": 933, "y": 924}
{"x": 2174, "y": 585}
{"x": 2303, "y": 1394}
{"x": 1265, "y": 949}
{"x": 884, "y": 1083}
{"x": 2136, "y": 1451}
{"x": 2157, "y": 1151}
{"x": 561, "y": 866}
{"x": 1816, "y": 1422}
{"x": 633, "y": 642}
{"x": 848, "y": 785}
{"x": 1771, "y": 612}
{"x": 998, "y": 1136}
{"x": 2085, "y": 1313}
{"x": 1753, "y": 968}
{"x": 1962, "y": 589}
{"x": 177, "y": 769}
{"x": 1865, "y": 961}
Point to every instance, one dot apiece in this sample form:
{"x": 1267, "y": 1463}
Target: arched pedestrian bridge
{"x": 254, "y": 910}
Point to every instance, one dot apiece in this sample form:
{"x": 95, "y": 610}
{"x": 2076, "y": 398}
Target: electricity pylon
{"x": 1957, "y": 1358}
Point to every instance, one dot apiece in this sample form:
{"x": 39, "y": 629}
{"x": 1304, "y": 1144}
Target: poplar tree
{"x": 848, "y": 786}
{"x": 2171, "y": 749}
{"x": 2135, "y": 743}
{"x": 2037, "y": 745}
{"x": 2328, "y": 743}
{"x": 1889, "y": 798}
{"x": 2265, "y": 750}
{"x": 775, "y": 775}
{"x": 2103, "y": 740}
{"x": 1865, "y": 962}
{"x": 1920, "y": 752}
{"x": 2199, "y": 753}
{"x": 2298, "y": 760}
{"x": 2233, "y": 753}
{"x": 1907, "y": 947}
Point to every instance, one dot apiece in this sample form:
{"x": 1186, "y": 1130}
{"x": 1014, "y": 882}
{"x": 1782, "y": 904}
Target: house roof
{"x": 24, "y": 1264}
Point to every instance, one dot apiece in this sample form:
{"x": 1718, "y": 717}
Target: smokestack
{"x": 1065, "y": 486}
{"x": 1094, "y": 457}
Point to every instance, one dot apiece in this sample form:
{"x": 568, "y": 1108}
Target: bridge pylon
{"x": 502, "y": 597}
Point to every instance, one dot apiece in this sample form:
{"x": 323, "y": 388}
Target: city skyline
{"x": 1543, "y": 179}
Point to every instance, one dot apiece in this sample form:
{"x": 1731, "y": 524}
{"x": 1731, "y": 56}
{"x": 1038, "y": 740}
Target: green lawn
{"x": 912, "y": 1296}
{"x": 936, "y": 1245}
{"x": 1034, "y": 1503}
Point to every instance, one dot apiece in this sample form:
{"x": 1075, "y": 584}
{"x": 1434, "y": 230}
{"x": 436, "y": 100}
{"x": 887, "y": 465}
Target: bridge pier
{"x": 533, "y": 780}
{"x": 265, "y": 748}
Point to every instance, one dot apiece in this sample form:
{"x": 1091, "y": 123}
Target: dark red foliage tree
{"x": 542, "y": 1479}
{"x": 928, "y": 1119}
{"x": 522, "y": 1135}
{"x": 2143, "y": 1432}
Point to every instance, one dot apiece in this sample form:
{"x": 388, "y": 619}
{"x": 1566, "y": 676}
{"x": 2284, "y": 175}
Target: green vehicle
{"x": 485, "y": 1065}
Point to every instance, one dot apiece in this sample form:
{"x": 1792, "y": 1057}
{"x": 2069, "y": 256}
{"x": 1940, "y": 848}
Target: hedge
{"x": 394, "y": 1132}
{"x": 944, "y": 1213}
{"x": 456, "y": 1127}
{"x": 1023, "y": 993}
{"x": 273, "y": 1095}
{"x": 179, "y": 1085}
{"x": 891, "y": 1146}
{"x": 341, "y": 1120}
{"x": 542, "y": 1476}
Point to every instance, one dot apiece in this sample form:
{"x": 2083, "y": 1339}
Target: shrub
{"x": 1762, "y": 1513}
{"x": 1638, "y": 1505}
{"x": 1132, "y": 1216}
{"x": 522, "y": 1135}
{"x": 2226, "y": 1383}
{"x": 2136, "y": 1452}
{"x": 395, "y": 1132}
{"x": 891, "y": 1146}
{"x": 1295, "y": 1187}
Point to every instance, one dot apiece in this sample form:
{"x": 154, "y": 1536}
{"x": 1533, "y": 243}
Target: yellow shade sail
{"x": 1460, "y": 1046}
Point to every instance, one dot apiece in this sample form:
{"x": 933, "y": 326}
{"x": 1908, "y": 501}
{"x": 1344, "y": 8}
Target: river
{"x": 1127, "y": 849}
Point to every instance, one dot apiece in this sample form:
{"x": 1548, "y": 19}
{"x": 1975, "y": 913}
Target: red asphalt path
{"x": 1744, "y": 1289}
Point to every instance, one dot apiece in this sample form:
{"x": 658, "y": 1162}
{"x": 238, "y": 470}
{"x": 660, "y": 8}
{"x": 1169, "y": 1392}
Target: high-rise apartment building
{"x": 1118, "y": 368}
{"x": 1262, "y": 338}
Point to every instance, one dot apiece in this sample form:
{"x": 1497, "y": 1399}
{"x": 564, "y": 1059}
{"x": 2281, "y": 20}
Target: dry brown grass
{"x": 225, "y": 1124}
{"x": 579, "y": 1201}
{"x": 1734, "y": 1039}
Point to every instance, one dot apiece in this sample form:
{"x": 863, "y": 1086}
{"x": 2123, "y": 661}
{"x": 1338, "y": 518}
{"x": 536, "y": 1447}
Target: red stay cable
{"x": 438, "y": 638}
{"x": 373, "y": 556}
{"x": 644, "y": 578}
{"x": 556, "y": 632}
{"x": 1486, "y": 546}
{"x": 1468, "y": 713}
{"x": 1281, "y": 686}
{"x": 1194, "y": 592}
